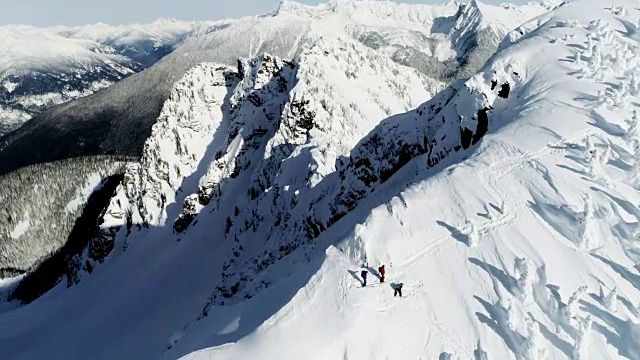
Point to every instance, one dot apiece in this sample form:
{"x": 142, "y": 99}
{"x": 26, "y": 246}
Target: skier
{"x": 397, "y": 290}
{"x": 381, "y": 271}
{"x": 364, "y": 277}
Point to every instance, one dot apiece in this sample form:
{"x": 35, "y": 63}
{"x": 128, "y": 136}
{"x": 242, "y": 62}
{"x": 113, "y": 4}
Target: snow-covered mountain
{"x": 142, "y": 43}
{"x": 322, "y": 73}
{"x": 40, "y": 68}
{"x": 445, "y": 42}
{"x": 118, "y": 120}
{"x": 506, "y": 204}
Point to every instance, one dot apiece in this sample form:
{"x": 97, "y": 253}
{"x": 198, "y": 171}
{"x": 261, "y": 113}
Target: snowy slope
{"x": 506, "y": 205}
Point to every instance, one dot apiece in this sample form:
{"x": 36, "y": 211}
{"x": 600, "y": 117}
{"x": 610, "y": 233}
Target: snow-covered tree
{"x": 590, "y": 147}
{"x": 634, "y": 84}
{"x": 609, "y": 299}
{"x": 633, "y": 132}
{"x": 479, "y": 353}
{"x": 581, "y": 338}
{"x": 532, "y": 347}
{"x": 472, "y": 234}
{"x": 577, "y": 57}
{"x": 507, "y": 313}
{"x": 510, "y": 315}
{"x": 595, "y": 164}
{"x": 588, "y": 206}
{"x": 621, "y": 94}
{"x": 606, "y": 155}
{"x": 525, "y": 279}
{"x": 503, "y": 207}
{"x": 618, "y": 10}
{"x": 635, "y": 171}
{"x": 595, "y": 62}
{"x": 585, "y": 219}
{"x": 567, "y": 311}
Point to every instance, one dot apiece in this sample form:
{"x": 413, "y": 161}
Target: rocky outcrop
{"x": 334, "y": 102}
{"x": 180, "y": 140}
{"x": 452, "y": 122}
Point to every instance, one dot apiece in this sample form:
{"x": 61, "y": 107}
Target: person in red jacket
{"x": 381, "y": 271}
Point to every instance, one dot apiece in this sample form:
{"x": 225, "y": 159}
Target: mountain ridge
{"x": 506, "y": 204}
{"x": 217, "y": 46}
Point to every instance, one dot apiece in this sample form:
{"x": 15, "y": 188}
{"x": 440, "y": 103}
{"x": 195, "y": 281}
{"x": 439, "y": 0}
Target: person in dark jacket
{"x": 381, "y": 271}
{"x": 364, "y": 277}
{"x": 397, "y": 290}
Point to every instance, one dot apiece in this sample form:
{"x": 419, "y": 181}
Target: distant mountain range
{"x": 40, "y": 68}
{"x": 445, "y": 42}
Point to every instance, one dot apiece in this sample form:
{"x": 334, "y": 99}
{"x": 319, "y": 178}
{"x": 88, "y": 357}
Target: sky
{"x": 81, "y": 12}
